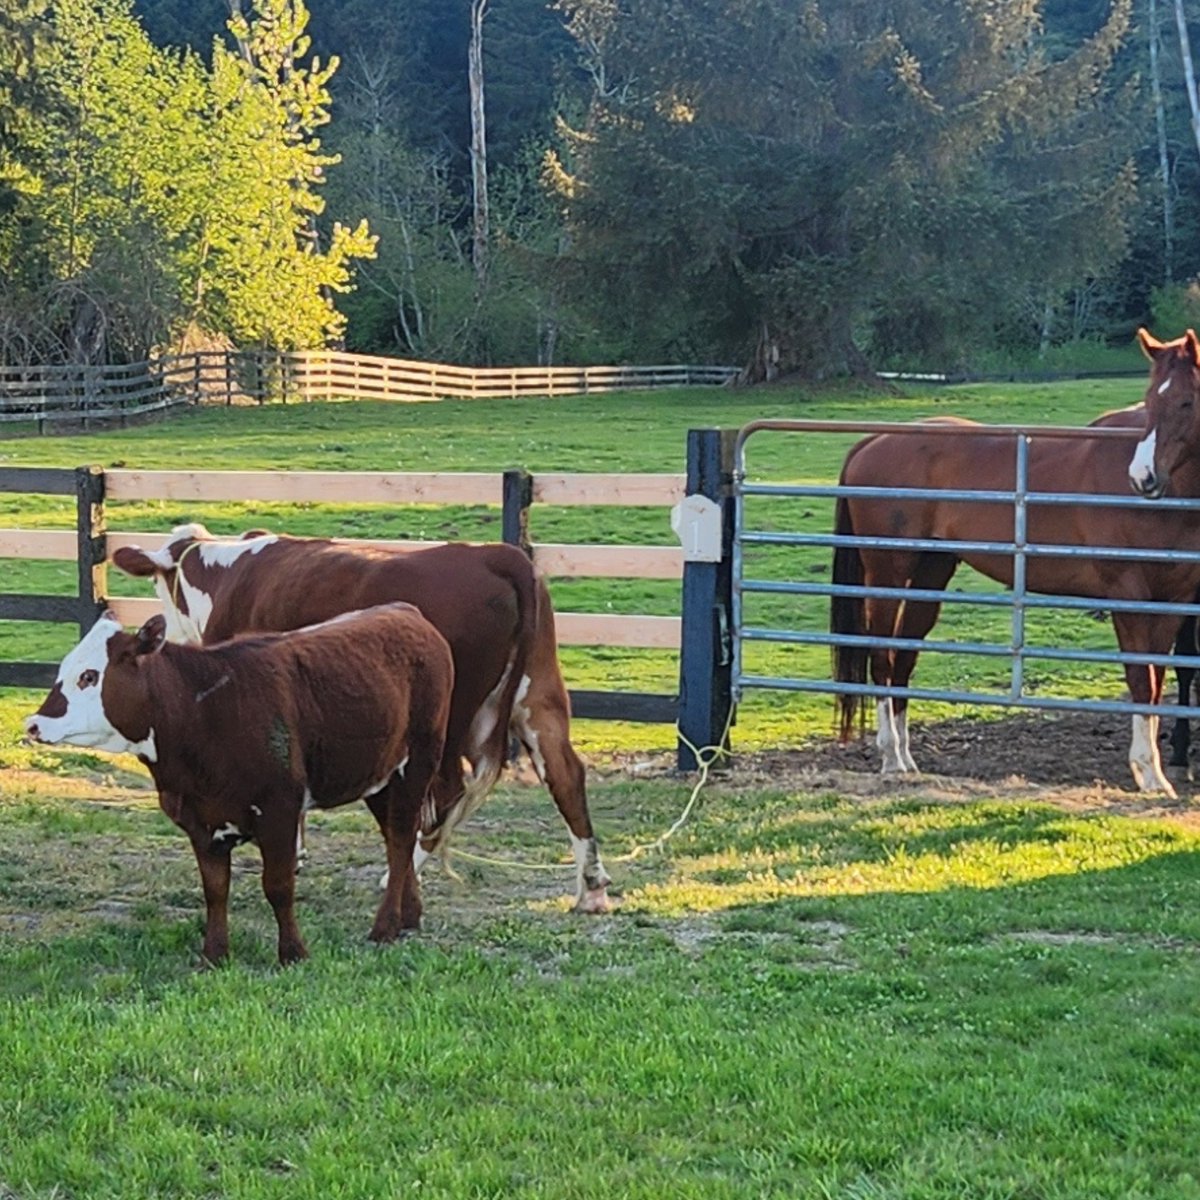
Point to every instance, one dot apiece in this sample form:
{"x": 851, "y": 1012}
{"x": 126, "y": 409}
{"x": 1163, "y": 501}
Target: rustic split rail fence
{"x": 84, "y": 394}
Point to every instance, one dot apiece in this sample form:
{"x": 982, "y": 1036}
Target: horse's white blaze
{"x": 887, "y": 738}
{"x": 1162, "y": 387}
{"x": 1144, "y": 759}
{"x": 1141, "y": 467}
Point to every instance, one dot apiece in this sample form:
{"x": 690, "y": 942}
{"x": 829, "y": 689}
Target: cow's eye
{"x": 89, "y": 678}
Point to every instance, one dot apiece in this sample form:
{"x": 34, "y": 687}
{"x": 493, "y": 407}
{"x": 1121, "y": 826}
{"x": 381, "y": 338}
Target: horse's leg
{"x": 933, "y": 573}
{"x": 1145, "y": 633}
{"x": 1179, "y": 766}
{"x": 883, "y": 617}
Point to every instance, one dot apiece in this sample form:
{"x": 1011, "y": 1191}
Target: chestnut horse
{"x": 1166, "y": 460}
{"x": 1187, "y": 641}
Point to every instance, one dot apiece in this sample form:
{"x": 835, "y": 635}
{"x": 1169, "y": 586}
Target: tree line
{"x": 820, "y": 187}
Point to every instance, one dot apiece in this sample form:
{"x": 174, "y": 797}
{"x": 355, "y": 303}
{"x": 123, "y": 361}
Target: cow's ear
{"x": 133, "y": 560}
{"x": 151, "y": 635}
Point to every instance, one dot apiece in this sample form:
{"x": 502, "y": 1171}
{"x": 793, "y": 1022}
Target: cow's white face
{"x": 73, "y": 713}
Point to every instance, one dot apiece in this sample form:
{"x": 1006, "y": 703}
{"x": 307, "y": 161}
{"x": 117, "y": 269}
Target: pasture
{"x": 821, "y": 985}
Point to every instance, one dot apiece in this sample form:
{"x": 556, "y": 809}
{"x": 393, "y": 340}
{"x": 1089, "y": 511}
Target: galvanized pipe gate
{"x": 1019, "y": 601}
{"x": 767, "y": 551}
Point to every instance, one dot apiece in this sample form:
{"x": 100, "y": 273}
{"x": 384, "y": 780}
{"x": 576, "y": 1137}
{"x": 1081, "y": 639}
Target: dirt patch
{"x": 1077, "y": 760}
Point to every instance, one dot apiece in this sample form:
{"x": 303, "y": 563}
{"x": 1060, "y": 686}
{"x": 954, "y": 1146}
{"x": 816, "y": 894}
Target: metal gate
{"x": 783, "y": 529}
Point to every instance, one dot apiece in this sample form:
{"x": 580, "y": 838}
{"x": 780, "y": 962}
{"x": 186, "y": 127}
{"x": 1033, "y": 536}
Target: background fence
{"x": 84, "y": 394}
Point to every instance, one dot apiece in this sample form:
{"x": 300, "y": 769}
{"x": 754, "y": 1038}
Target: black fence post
{"x": 92, "y": 545}
{"x": 517, "y": 499}
{"x": 706, "y": 653}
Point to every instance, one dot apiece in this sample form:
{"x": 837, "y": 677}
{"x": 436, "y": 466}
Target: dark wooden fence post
{"x": 706, "y": 654}
{"x": 518, "y": 497}
{"x": 93, "y": 550}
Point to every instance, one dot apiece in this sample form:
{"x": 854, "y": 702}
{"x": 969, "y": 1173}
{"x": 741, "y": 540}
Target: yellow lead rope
{"x": 704, "y": 757}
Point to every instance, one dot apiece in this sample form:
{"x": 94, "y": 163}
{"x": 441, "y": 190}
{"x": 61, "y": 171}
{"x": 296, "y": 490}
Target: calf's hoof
{"x": 292, "y": 952}
{"x": 383, "y": 934}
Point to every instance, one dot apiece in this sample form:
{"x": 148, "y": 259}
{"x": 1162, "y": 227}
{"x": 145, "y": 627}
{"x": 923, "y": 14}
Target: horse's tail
{"x": 847, "y": 614}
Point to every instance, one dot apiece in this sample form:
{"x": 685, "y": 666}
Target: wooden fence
{"x": 91, "y": 543}
{"x": 86, "y": 394}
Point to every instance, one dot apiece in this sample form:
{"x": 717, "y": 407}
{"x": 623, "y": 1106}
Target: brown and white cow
{"x": 244, "y": 736}
{"x": 487, "y": 601}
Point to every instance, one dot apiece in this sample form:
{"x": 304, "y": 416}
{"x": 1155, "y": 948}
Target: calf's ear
{"x": 151, "y": 635}
{"x": 133, "y": 560}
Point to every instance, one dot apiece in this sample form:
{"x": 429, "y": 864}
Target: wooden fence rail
{"x": 91, "y": 544}
{"x": 85, "y": 394}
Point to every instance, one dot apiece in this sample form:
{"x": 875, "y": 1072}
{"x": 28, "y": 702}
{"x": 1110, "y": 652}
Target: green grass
{"x": 809, "y": 995}
{"x": 813, "y": 989}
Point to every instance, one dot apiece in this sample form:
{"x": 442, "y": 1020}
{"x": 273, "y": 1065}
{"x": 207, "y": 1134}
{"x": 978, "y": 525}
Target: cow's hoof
{"x": 595, "y": 902}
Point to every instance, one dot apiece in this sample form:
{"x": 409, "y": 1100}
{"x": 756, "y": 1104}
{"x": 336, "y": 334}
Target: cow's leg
{"x": 1145, "y": 633}
{"x": 917, "y": 618}
{"x": 541, "y": 720}
{"x": 1179, "y": 766}
{"x": 301, "y": 843}
{"x": 278, "y": 845}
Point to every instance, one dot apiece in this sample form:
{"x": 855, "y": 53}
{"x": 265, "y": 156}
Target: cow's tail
{"x": 847, "y": 615}
{"x": 519, "y": 573}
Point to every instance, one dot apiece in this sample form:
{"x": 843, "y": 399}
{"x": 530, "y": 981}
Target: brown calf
{"x": 242, "y": 737}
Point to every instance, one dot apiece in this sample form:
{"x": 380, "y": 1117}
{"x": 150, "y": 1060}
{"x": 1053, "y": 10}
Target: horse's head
{"x": 1172, "y": 434}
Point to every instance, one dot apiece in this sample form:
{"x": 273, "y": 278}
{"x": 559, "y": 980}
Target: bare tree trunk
{"x": 1164, "y": 162}
{"x": 1046, "y": 329}
{"x": 1189, "y": 71}
{"x": 479, "y": 178}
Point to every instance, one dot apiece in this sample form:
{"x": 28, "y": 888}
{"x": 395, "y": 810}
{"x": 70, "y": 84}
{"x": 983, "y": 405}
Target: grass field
{"x": 820, "y": 986}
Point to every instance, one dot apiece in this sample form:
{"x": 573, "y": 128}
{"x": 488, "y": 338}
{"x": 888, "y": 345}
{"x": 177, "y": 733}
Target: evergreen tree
{"x": 788, "y": 183}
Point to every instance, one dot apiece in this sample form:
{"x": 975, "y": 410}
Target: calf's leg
{"x": 212, "y": 858}
{"x": 278, "y": 845}
{"x": 397, "y": 808}
{"x": 214, "y": 879}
